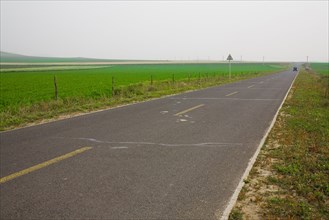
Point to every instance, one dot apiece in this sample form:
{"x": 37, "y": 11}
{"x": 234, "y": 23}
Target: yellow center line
{"x": 44, "y": 164}
{"x": 188, "y": 110}
{"x": 232, "y": 93}
{"x": 250, "y": 86}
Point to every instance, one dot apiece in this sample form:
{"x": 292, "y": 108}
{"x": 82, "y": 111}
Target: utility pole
{"x": 263, "y": 60}
{"x": 307, "y": 61}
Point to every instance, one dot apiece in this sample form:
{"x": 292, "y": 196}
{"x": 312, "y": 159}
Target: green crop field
{"x": 47, "y": 68}
{"x": 322, "y": 68}
{"x": 19, "y": 88}
{"x": 27, "y": 96}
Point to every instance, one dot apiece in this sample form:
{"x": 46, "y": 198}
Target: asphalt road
{"x": 179, "y": 157}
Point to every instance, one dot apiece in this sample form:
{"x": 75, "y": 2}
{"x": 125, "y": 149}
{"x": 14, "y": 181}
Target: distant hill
{"x": 5, "y": 54}
{"x": 6, "y": 57}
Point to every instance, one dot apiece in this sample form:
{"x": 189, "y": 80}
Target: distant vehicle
{"x": 295, "y": 68}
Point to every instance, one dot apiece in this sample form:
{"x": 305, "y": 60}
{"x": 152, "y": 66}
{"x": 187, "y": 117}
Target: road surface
{"x": 179, "y": 157}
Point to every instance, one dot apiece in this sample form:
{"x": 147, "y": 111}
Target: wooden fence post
{"x": 112, "y": 86}
{"x": 199, "y": 78}
{"x": 56, "y": 90}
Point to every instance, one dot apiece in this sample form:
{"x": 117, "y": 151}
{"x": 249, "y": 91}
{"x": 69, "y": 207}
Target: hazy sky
{"x": 278, "y": 30}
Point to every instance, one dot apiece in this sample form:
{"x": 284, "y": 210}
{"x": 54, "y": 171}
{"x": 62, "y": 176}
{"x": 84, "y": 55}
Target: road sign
{"x": 229, "y": 58}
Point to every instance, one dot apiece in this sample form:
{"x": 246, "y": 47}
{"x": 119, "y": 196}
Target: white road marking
{"x": 268, "y": 88}
{"x": 233, "y": 93}
{"x": 250, "y": 86}
{"x": 188, "y": 110}
{"x": 119, "y": 147}
{"x": 237, "y": 99}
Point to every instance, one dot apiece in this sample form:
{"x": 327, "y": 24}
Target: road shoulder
{"x": 289, "y": 178}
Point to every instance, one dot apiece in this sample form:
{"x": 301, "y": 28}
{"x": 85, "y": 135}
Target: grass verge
{"x": 290, "y": 177}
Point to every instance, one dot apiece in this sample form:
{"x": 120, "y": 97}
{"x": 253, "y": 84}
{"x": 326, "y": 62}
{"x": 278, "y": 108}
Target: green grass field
{"x": 29, "y": 96}
{"x": 50, "y": 68}
{"x": 321, "y": 68}
{"x": 21, "y": 88}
